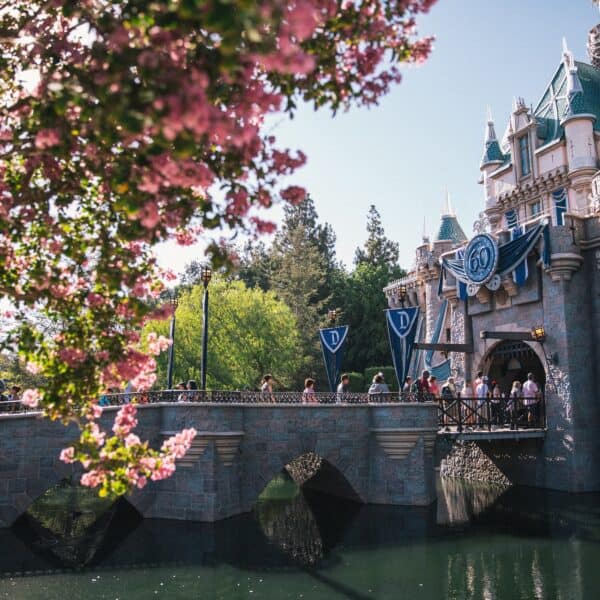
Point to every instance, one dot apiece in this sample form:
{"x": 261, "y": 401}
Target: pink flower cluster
{"x": 67, "y": 455}
{"x": 46, "y": 138}
{"x": 72, "y": 356}
{"x": 31, "y": 398}
{"x": 125, "y": 420}
{"x": 93, "y": 478}
{"x": 156, "y": 343}
{"x": 180, "y": 443}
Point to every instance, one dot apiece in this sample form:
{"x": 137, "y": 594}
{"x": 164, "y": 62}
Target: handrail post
{"x": 460, "y": 412}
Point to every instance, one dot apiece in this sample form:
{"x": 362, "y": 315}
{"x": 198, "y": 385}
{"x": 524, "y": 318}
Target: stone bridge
{"x": 374, "y": 453}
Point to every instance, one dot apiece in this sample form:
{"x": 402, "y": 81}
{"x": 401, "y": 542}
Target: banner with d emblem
{"x": 332, "y": 342}
{"x": 402, "y": 329}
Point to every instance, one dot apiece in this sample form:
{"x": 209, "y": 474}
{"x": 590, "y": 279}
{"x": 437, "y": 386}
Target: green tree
{"x": 256, "y": 265}
{"x": 251, "y": 333}
{"x": 378, "y": 249}
{"x": 363, "y": 301}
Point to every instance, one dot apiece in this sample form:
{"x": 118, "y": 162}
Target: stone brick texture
{"x": 273, "y": 435}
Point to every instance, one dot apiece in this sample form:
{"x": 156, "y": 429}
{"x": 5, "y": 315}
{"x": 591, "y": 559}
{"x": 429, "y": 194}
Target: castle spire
{"x": 575, "y": 99}
{"x": 447, "y": 211}
{"x": 491, "y": 153}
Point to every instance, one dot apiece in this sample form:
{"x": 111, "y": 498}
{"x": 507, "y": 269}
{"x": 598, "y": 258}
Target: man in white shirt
{"x": 530, "y": 398}
{"x": 482, "y": 391}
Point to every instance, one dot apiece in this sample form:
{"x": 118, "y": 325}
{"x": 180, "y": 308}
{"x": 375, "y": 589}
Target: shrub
{"x": 357, "y": 382}
{"x": 388, "y": 373}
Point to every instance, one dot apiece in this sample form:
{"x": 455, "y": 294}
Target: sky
{"x": 427, "y": 134}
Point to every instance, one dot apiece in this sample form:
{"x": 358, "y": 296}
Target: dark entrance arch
{"x": 513, "y": 360}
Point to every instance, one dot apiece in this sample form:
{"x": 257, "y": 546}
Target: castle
{"x": 534, "y": 262}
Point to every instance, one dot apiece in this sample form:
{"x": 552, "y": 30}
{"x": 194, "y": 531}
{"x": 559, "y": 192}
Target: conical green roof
{"x": 491, "y": 152}
{"x": 450, "y": 230}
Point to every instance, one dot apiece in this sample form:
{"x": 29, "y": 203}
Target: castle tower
{"x": 578, "y": 123}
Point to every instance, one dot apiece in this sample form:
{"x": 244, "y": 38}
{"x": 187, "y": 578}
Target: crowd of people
{"x": 480, "y": 402}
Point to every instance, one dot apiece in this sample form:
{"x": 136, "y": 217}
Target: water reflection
{"x": 69, "y": 524}
{"x": 288, "y": 522}
{"x": 478, "y": 542}
{"x": 460, "y": 500}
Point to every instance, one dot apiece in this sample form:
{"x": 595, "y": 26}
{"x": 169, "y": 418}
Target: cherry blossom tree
{"x": 124, "y": 123}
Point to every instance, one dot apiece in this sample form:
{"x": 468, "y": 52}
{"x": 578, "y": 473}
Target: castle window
{"x": 535, "y": 208}
{"x": 524, "y": 155}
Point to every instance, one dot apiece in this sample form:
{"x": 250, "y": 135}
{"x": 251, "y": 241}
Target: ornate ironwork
{"x": 245, "y": 397}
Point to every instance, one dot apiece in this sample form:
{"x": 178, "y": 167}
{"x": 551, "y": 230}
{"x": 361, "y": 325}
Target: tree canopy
{"x": 124, "y": 123}
{"x": 251, "y": 333}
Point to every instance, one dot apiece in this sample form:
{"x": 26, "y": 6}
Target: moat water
{"x": 475, "y": 542}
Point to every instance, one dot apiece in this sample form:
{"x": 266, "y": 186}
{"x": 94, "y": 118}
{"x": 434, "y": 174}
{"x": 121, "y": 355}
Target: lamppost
{"x": 174, "y": 301}
{"x": 205, "y": 275}
{"x": 402, "y": 294}
{"x": 332, "y": 315}
{"x": 538, "y": 333}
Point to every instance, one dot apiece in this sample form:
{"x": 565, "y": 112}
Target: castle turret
{"x": 492, "y": 159}
{"x": 578, "y": 121}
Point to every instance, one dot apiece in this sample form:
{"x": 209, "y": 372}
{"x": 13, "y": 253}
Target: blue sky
{"x": 428, "y": 132}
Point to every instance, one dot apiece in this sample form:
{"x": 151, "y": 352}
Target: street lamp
{"x": 174, "y": 301}
{"x": 538, "y": 333}
{"x": 205, "y": 276}
{"x": 332, "y": 315}
{"x": 402, "y": 294}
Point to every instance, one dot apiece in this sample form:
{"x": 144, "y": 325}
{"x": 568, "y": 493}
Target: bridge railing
{"x": 467, "y": 414}
{"x": 250, "y": 397}
{"x": 15, "y": 406}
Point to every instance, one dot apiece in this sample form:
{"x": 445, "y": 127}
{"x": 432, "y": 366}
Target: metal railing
{"x": 460, "y": 414}
{"x": 15, "y": 406}
{"x": 468, "y": 414}
{"x": 250, "y": 397}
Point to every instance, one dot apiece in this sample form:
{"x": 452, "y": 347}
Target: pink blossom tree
{"x": 119, "y": 121}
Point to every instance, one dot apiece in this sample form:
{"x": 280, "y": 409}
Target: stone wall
{"x": 466, "y": 460}
{"x": 384, "y": 453}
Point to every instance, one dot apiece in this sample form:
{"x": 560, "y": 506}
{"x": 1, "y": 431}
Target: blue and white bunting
{"x": 402, "y": 330}
{"x": 521, "y": 272}
{"x": 332, "y": 343}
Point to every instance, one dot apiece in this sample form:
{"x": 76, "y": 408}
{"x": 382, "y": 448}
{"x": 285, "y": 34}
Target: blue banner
{"x": 332, "y": 343}
{"x": 402, "y": 330}
{"x": 521, "y": 273}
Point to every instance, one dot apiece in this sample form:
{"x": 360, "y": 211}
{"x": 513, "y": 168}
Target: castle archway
{"x": 509, "y": 361}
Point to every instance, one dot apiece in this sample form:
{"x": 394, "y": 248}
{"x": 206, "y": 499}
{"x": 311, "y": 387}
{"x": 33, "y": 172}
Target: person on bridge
{"x": 482, "y": 393}
{"x": 434, "y": 388}
{"x": 496, "y": 404}
{"x": 409, "y": 389}
{"x": 342, "y": 389}
{"x": 423, "y": 386}
{"x": 266, "y": 388}
{"x": 308, "y": 395}
{"x": 378, "y": 387}
{"x": 448, "y": 396}
{"x": 15, "y": 393}
{"x": 513, "y": 404}
{"x": 467, "y": 403}
{"x": 478, "y": 380}
{"x": 530, "y": 399}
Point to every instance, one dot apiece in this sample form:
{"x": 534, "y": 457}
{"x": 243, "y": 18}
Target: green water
{"x": 475, "y": 542}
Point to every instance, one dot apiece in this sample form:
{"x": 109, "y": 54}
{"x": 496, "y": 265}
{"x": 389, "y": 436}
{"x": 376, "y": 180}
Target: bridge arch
{"x": 331, "y": 475}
